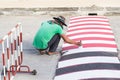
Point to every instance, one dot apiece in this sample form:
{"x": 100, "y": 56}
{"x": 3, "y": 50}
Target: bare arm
{"x": 67, "y": 40}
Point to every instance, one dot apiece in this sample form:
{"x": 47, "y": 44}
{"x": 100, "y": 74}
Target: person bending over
{"x": 49, "y": 34}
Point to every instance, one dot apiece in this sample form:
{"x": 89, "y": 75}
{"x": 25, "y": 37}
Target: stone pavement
{"x": 44, "y": 64}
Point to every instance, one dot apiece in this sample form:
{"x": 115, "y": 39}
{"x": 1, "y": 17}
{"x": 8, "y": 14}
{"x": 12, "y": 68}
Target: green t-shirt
{"x": 45, "y": 33}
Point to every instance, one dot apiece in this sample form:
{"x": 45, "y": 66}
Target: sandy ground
{"x": 44, "y": 64}
{"x": 57, "y": 3}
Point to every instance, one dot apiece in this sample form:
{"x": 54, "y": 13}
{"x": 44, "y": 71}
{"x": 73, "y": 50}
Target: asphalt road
{"x": 44, "y": 64}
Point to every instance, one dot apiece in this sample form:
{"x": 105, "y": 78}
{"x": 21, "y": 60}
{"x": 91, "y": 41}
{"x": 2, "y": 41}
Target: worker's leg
{"x": 53, "y": 43}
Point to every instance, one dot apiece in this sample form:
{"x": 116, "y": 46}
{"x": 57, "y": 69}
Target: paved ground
{"x": 44, "y": 64}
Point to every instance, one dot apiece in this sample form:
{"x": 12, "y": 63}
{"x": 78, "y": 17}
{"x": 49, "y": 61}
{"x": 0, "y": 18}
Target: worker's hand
{"x": 79, "y": 43}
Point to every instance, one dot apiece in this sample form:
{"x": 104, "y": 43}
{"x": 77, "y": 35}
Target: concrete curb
{"x": 107, "y": 11}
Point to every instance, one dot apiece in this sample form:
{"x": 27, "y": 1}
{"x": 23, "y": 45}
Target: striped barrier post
{"x": 12, "y": 53}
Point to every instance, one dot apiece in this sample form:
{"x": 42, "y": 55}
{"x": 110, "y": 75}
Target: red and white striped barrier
{"x": 12, "y": 53}
{"x": 96, "y": 59}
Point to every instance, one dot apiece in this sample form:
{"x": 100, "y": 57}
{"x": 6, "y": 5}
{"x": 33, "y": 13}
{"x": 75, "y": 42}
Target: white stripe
{"x": 18, "y": 67}
{"x": 89, "y": 19}
{"x": 18, "y": 50}
{"x": 18, "y": 31}
{"x": 15, "y": 34}
{"x": 90, "y": 74}
{"x": 12, "y": 77}
{"x": 11, "y": 38}
{"x": 88, "y": 30}
{"x": 15, "y": 54}
{"x": 19, "y": 24}
{"x": 8, "y": 68}
{"x": 91, "y": 35}
{"x": 89, "y": 26}
{"x": 67, "y": 45}
{"x": 98, "y": 41}
{"x": 4, "y": 69}
{"x": 12, "y": 59}
{"x": 88, "y": 22}
{"x": 21, "y": 47}
{"x": 7, "y": 42}
{"x": 0, "y": 77}
{"x": 13, "y": 29}
{"x": 3, "y": 47}
{"x": 79, "y": 50}
{"x": 6, "y": 36}
{"x": 86, "y": 60}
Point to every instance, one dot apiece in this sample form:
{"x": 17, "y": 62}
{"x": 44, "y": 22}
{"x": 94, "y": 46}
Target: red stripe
{"x": 3, "y": 57}
{"x": 88, "y": 21}
{"x": 94, "y": 38}
{"x": 91, "y": 45}
{"x": 87, "y": 17}
{"x": 9, "y": 32}
{"x": 1, "y": 41}
{"x": 17, "y": 26}
{"x": 8, "y": 74}
{"x": 4, "y": 77}
{"x": 12, "y": 48}
{"x": 82, "y": 33}
{"x": 89, "y": 28}
{"x": 21, "y": 57}
{"x": 18, "y": 40}
{"x": 99, "y": 45}
{"x": 15, "y": 45}
{"x": 90, "y": 24}
{"x": 16, "y": 64}
{"x": 8, "y": 53}
{"x": 20, "y": 36}
{"x": 19, "y": 60}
